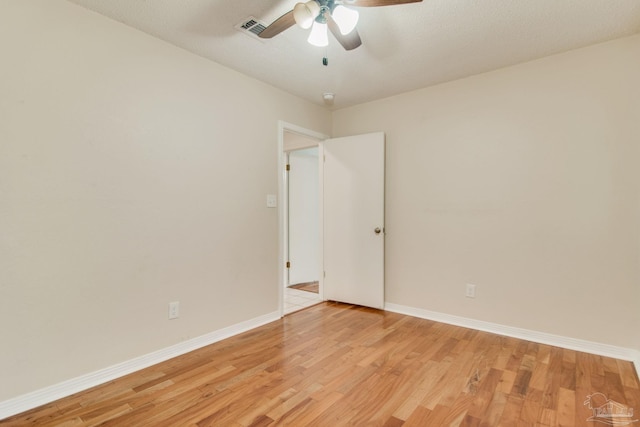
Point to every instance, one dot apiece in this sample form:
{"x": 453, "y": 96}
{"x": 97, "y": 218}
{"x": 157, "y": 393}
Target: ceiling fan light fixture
{"x": 347, "y": 19}
{"x": 305, "y": 13}
{"x": 318, "y": 36}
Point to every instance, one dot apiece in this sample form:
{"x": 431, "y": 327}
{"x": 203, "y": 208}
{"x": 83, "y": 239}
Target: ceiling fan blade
{"x": 278, "y": 26}
{"x": 374, "y": 3}
{"x": 349, "y": 41}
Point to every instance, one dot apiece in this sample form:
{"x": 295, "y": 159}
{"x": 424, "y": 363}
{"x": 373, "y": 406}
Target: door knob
{"x": 377, "y": 230}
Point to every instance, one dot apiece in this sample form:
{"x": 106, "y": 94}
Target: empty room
{"x": 354, "y": 212}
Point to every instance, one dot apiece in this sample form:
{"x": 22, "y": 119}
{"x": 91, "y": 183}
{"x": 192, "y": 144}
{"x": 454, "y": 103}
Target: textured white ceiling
{"x": 405, "y": 47}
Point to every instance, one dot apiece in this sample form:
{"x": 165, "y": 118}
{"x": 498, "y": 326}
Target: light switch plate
{"x": 272, "y": 201}
{"x": 174, "y": 310}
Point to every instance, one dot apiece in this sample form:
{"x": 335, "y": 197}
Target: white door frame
{"x": 282, "y": 208}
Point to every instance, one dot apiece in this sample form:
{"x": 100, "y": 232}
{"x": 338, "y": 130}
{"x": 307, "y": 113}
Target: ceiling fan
{"x": 322, "y": 14}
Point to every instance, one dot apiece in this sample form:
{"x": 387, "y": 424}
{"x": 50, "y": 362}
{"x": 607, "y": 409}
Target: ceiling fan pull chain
{"x": 325, "y": 58}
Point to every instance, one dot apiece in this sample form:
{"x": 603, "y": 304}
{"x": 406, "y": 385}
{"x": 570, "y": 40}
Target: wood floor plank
{"x": 393, "y": 422}
{"x": 338, "y": 364}
{"x": 539, "y": 374}
{"x": 511, "y": 411}
{"x": 532, "y": 407}
{"x": 628, "y": 375}
{"x": 547, "y": 417}
{"x": 430, "y": 374}
{"x": 418, "y": 417}
{"x": 317, "y": 408}
{"x": 291, "y": 402}
{"x": 407, "y": 379}
{"x": 494, "y": 411}
{"x": 566, "y": 415}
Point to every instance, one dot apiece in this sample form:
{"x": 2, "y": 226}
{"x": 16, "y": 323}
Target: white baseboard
{"x": 66, "y": 388}
{"x": 525, "y": 334}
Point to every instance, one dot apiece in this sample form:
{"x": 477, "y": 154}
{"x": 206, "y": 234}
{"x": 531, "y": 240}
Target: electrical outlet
{"x": 471, "y": 291}
{"x": 174, "y": 310}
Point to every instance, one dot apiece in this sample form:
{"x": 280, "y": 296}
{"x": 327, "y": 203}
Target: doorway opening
{"x": 303, "y": 270}
{"x": 300, "y": 254}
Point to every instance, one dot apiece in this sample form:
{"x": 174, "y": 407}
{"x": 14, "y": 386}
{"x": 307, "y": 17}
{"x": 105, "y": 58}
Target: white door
{"x": 353, "y": 218}
{"x": 303, "y": 216}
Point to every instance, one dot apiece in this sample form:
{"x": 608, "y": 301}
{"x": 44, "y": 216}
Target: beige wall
{"x": 524, "y": 182}
{"x": 132, "y": 174}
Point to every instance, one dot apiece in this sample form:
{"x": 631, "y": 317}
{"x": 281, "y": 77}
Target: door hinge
{"x": 288, "y": 168}
{"x": 288, "y": 264}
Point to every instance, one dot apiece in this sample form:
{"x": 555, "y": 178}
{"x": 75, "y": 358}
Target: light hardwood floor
{"x": 336, "y": 364}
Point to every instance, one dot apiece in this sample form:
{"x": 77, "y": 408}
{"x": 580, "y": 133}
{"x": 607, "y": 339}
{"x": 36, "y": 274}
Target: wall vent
{"x": 252, "y": 27}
